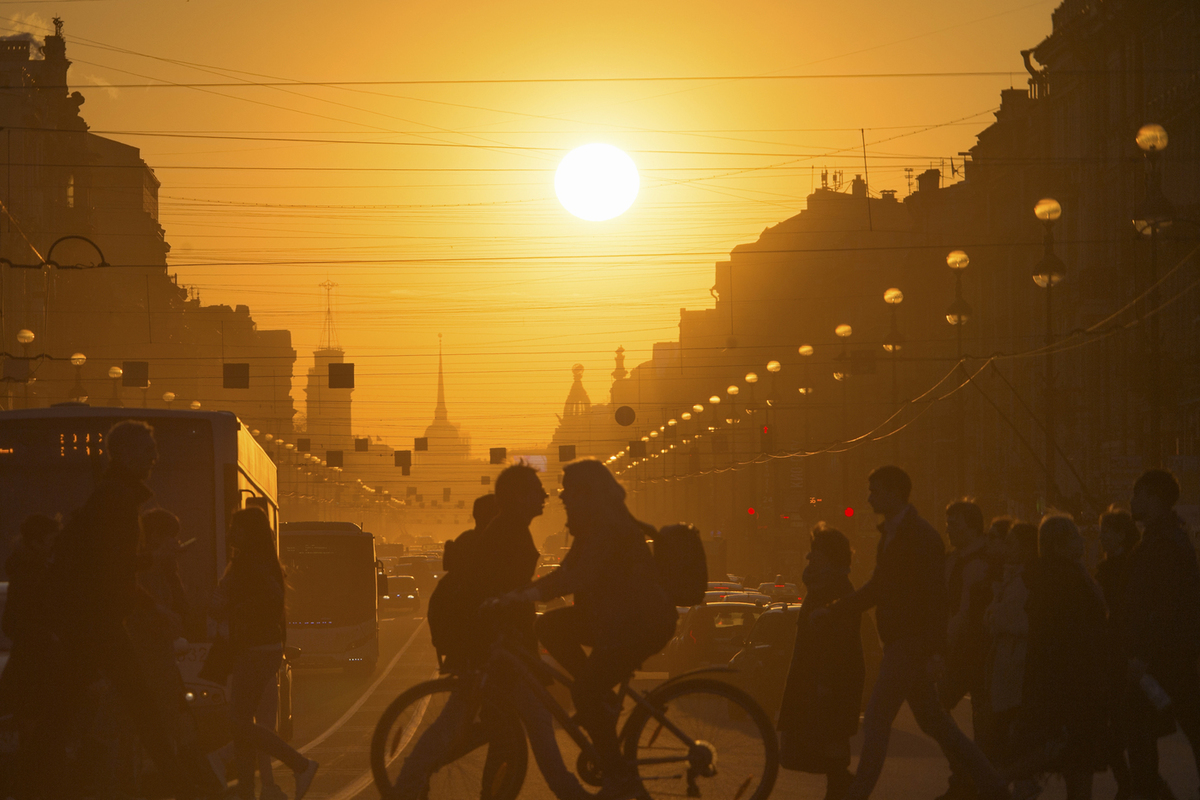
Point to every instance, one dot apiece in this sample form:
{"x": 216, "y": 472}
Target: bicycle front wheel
{"x": 437, "y": 742}
{"x": 728, "y": 750}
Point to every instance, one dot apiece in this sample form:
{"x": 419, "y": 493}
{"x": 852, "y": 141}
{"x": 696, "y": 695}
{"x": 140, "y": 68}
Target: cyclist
{"x": 487, "y": 562}
{"x": 621, "y": 610}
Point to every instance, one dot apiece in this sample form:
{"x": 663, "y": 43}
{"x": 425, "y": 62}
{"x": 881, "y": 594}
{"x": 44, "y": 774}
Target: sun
{"x": 596, "y": 182}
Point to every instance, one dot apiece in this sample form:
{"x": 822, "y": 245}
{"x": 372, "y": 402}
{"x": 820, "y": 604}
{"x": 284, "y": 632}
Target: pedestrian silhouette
{"x": 1064, "y": 714}
{"x": 823, "y": 692}
{"x": 95, "y": 574}
{"x": 250, "y": 598}
{"x": 908, "y": 591}
{"x": 35, "y": 655}
{"x": 1159, "y": 626}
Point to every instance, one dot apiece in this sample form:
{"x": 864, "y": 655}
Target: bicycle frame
{"x": 528, "y": 666}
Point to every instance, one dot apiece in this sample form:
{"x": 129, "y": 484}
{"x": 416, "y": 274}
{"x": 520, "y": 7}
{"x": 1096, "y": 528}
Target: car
{"x": 729, "y": 586}
{"x": 402, "y": 593}
{"x": 710, "y": 634}
{"x": 5, "y": 644}
{"x": 781, "y": 591}
{"x": 762, "y": 663}
{"x": 758, "y": 598}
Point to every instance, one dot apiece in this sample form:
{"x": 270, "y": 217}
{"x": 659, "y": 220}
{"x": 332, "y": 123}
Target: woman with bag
{"x": 251, "y": 598}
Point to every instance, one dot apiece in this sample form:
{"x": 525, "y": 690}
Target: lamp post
{"x": 892, "y": 343}
{"x": 844, "y": 332}
{"x": 1048, "y": 273}
{"x": 1154, "y": 214}
{"x": 168, "y": 398}
{"x": 194, "y": 405}
{"x": 805, "y": 388}
{"x": 959, "y": 314}
{"x": 732, "y": 390}
{"x": 776, "y": 502}
{"x": 78, "y": 392}
{"x": 115, "y": 373}
{"x": 25, "y": 338}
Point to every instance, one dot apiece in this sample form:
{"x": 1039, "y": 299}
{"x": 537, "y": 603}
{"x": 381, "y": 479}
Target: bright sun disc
{"x": 596, "y": 182}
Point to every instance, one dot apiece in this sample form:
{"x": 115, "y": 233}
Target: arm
{"x": 581, "y": 568}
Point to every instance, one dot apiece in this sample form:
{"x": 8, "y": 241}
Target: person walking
{"x": 28, "y": 678}
{"x": 1119, "y": 535}
{"x": 250, "y": 597}
{"x": 823, "y": 691}
{"x": 908, "y": 591}
{"x": 95, "y": 578}
{"x": 621, "y": 610}
{"x": 497, "y": 557}
{"x": 1007, "y": 624}
{"x": 1159, "y": 626}
{"x": 969, "y": 578}
{"x": 1063, "y": 712}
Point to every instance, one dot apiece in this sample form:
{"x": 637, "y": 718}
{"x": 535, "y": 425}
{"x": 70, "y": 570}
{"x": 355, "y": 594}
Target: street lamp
{"x": 168, "y": 398}
{"x": 195, "y": 406}
{"x": 959, "y": 314}
{"x": 115, "y": 373}
{"x": 1048, "y": 273}
{"x": 25, "y": 337}
{"x": 892, "y": 343}
{"x": 1154, "y": 215}
{"x": 78, "y": 393}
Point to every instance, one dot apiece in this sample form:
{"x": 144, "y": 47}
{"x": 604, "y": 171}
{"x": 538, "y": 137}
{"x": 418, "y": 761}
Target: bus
{"x": 209, "y": 466}
{"x": 333, "y": 594}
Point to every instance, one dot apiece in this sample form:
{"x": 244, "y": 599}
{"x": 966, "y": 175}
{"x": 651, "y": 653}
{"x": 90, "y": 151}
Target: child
{"x": 821, "y": 699}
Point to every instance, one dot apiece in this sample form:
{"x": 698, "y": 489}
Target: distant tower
{"x": 578, "y": 403}
{"x": 329, "y": 410}
{"x": 447, "y": 444}
{"x": 620, "y": 373}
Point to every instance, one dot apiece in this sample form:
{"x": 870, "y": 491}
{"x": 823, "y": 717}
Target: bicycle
{"x": 690, "y": 736}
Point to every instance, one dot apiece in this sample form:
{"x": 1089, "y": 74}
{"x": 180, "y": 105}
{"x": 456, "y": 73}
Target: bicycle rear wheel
{"x": 730, "y": 752}
{"x": 465, "y": 748}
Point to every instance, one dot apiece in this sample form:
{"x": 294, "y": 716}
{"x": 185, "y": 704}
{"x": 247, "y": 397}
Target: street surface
{"x": 335, "y": 715}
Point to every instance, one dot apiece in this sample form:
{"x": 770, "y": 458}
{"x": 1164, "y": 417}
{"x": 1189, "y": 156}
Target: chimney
{"x": 858, "y": 187}
{"x": 929, "y": 181}
{"x": 888, "y": 195}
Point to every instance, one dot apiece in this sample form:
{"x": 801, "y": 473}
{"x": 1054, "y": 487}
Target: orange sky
{"x": 468, "y": 239}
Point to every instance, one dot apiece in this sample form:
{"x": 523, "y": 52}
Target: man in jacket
{"x": 1159, "y": 623}
{"x": 908, "y": 592}
{"x": 96, "y": 566}
{"x": 821, "y": 699}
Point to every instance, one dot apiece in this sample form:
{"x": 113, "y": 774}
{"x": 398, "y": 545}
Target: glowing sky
{"x": 432, "y": 205}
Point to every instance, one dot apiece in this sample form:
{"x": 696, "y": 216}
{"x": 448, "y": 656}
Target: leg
{"x": 895, "y": 676}
{"x": 431, "y": 750}
{"x": 267, "y": 716}
{"x": 1182, "y": 682}
{"x": 937, "y": 723}
{"x": 1142, "y": 744}
{"x": 563, "y": 632}
{"x": 120, "y": 665}
{"x": 252, "y": 673}
{"x": 539, "y": 726}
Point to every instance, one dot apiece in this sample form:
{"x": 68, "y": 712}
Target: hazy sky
{"x": 432, "y": 205}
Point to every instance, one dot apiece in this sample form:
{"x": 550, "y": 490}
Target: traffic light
{"x": 333, "y": 458}
{"x": 766, "y": 439}
{"x": 750, "y": 511}
{"x": 849, "y": 512}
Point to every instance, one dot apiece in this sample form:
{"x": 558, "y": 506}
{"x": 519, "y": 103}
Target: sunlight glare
{"x": 596, "y": 182}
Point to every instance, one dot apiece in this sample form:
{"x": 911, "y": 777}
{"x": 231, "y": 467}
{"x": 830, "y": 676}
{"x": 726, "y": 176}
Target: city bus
{"x": 333, "y": 594}
{"x": 209, "y": 466}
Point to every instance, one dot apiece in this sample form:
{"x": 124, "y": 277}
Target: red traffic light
{"x": 849, "y": 512}
{"x": 766, "y": 429}
{"x": 750, "y": 511}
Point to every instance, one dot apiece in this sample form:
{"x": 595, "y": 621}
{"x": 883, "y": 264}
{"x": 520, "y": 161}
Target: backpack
{"x": 682, "y": 565}
{"x": 452, "y": 608}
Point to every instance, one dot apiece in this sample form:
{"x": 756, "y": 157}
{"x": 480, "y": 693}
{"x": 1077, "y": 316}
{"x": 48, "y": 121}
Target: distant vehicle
{"x": 762, "y": 663}
{"x": 724, "y": 586}
{"x": 779, "y": 591}
{"x": 209, "y": 466}
{"x": 758, "y": 598}
{"x": 402, "y": 593}
{"x": 710, "y": 634}
{"x": 424, "y": 569}
{"x": 334, "y": 595}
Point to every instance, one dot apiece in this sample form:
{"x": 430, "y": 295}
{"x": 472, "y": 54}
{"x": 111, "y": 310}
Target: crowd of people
{"x": 1067, "y": 672}
{"x": 95, "y": 611}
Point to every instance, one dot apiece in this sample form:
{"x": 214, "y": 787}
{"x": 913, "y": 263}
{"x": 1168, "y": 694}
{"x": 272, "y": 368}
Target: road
{"x": 335, "y": 715}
